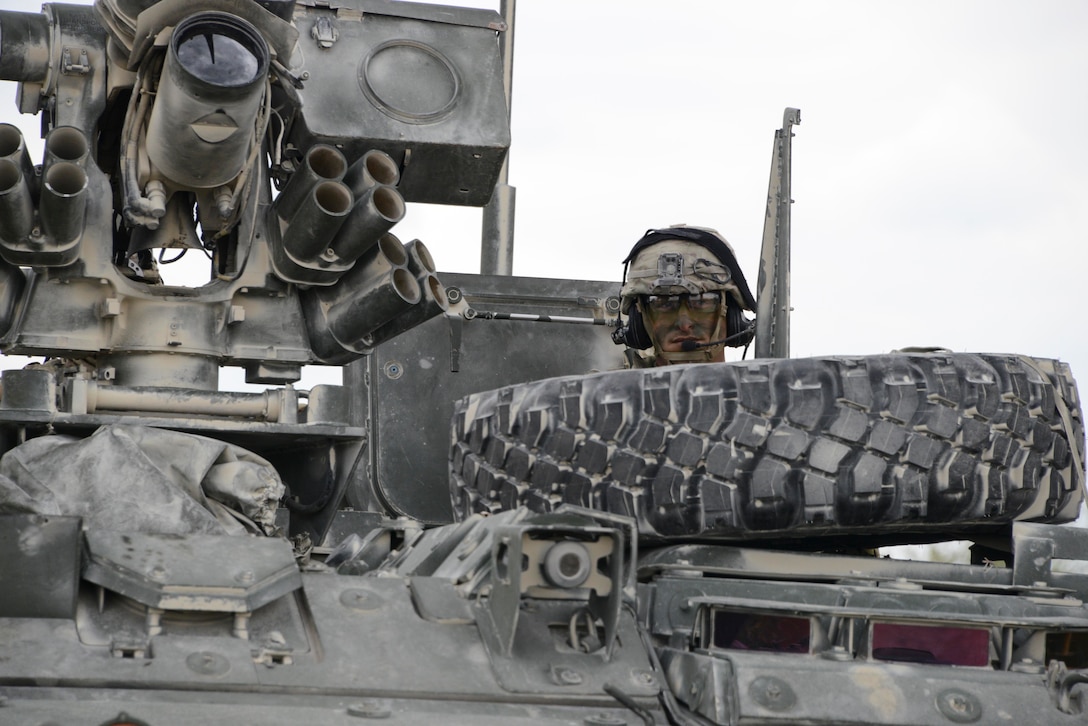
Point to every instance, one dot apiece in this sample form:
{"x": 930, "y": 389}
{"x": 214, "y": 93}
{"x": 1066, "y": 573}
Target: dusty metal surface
{"x": 493, "y": 336}
{"x": 284, "y": 140}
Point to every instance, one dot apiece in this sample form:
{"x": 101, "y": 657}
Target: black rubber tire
{"x": 811, "y": 446}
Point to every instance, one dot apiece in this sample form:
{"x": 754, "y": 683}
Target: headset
{"x": 739, "y": 330}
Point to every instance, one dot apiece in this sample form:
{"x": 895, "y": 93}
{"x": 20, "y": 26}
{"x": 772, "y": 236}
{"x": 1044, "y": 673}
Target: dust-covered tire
{"x": 888, "y": 443}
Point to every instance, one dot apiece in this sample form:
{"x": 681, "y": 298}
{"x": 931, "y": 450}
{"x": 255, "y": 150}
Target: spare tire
{"x": 798, "y": 447}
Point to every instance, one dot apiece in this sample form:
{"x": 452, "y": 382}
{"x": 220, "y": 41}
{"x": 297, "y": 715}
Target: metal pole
{"x": 782, "y": 299}
{"x": 773, "y": 301}
{"x": 497, "y": 247}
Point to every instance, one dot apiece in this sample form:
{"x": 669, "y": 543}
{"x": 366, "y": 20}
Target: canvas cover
{"x": 142, "y": 479}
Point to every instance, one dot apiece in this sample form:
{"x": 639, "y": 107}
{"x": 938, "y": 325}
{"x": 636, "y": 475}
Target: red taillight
{"x": 774, "y": 633}
{"x": 939, "y": 645}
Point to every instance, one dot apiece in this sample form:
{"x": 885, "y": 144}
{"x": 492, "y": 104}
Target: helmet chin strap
{"x": 699, "y": 355}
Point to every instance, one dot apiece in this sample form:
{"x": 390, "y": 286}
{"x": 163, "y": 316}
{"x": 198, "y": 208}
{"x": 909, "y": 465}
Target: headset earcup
{"x": 636, "y": 335}
{"x": 735, "y": 322}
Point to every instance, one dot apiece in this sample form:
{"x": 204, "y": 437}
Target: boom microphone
{"x": 689, "y": 346}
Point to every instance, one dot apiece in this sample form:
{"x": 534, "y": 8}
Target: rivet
{"x": 959, "y": 706}
{"x": 603, "y": 719}
{"x": 567, "y": 676}
{"x": 772, "y": 693}
{"x": 370, "y": 708}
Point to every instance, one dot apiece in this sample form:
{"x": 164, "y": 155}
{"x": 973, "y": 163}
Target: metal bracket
{"x": 670, "y": 270}
{"x": 68, "y": 68}
{"x": 520, "y": 556}
{"x": 324, "y": 32}
{"x": 1035, "y": 546}
{"x": 456, "y": 330}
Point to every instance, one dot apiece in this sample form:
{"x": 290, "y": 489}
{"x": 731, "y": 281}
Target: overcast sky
{"x": 939, "y": 171}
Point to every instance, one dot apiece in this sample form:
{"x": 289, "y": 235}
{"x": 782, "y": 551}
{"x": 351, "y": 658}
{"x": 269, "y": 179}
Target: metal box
{"x": 412, "y": 80}
{"x": 407, "y": 387}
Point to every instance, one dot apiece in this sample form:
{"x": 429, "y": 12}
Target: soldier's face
{"x": 674, "y": 320}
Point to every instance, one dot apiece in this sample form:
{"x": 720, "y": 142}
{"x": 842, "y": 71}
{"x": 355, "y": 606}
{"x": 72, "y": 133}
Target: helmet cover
{"x": 679, "y": 260}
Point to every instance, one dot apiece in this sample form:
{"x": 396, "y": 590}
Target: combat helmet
{"x": 678, "y": 260}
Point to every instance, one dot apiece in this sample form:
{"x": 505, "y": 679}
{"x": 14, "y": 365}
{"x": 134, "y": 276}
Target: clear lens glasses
{"x": 704, "y": 302}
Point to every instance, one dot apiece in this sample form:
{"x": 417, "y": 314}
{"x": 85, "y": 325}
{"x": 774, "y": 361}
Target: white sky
{"x": 939, "y": 171}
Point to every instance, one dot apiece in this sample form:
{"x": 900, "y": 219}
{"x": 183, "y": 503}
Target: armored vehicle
{"x": 490, "y": 520}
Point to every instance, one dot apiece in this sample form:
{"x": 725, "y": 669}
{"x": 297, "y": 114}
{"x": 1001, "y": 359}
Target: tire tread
{"x": 898, "y": 442}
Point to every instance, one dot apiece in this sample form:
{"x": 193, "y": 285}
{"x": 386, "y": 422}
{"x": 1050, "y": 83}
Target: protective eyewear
{"x": 704, "y": 302}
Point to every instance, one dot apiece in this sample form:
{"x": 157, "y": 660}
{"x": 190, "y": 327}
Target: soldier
{"x": 684, "y": 295}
